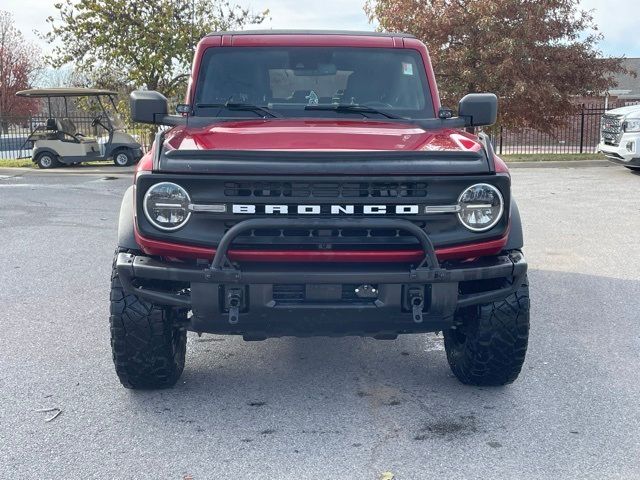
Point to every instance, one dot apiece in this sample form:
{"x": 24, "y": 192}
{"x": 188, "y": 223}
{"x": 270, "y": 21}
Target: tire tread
{"x": 494, "y": 352}
{"x": 142, "y": 338}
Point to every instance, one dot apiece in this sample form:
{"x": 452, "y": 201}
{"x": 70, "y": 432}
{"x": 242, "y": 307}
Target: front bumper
{"x": 627, "y": 152}
{"x": 225, "y": 298}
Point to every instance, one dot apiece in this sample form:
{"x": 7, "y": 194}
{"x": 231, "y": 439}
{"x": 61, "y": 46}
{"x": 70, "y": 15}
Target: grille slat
{"x": 325, "y": 190}
{"x": 611, "y": 129}
{"x": 289, "y": 293}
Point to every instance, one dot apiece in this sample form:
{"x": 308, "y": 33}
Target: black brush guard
{"x": 206, "y": 301}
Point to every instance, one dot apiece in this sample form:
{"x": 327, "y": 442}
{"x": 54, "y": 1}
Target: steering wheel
{"x": 98, "y": 121}
{"x": 376, "y": 104}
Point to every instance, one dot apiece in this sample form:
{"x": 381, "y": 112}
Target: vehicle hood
{"x": 628, "y": 110}
{"x": 318, "y": 135}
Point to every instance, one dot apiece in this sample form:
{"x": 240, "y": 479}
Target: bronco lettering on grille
{"x": 250, "y": 209}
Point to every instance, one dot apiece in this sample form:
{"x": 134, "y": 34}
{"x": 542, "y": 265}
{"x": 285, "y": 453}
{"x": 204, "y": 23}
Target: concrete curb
{"x": 111, "y": 171}
{"x": 13, "y": 171}
{"x": 561, "y": 164}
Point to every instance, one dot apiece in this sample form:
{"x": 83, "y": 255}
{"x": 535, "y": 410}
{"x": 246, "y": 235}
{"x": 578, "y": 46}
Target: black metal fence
{"x": 14, "y": 132}
{"x": 580, "y": 133}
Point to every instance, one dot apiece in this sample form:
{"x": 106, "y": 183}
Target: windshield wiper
{"x": 362, "y": 109}
{"x": 245, "y": 107}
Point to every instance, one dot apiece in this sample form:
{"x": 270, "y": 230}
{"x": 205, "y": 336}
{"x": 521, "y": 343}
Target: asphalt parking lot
{"x": 321, "y": 408}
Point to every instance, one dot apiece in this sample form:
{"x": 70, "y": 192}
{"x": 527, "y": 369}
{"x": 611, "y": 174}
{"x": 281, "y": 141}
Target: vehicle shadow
{"x": 354, "y": 386}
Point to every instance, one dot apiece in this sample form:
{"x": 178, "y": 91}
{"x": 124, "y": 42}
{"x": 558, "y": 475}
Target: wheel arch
{"x": 41, "y": 150}
{"x": 126, "y": 234}
{"x": 516, "y": 236}
{"x": 115, "y": 148}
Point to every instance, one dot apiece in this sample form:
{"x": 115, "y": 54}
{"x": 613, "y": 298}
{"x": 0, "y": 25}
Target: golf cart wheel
{"x": 123, "y": 158}
{"x": 47, "y": 160}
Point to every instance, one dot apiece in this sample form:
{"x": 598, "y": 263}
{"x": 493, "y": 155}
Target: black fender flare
{"x": 126, "y": 235}
{"x": 515, "y": 241}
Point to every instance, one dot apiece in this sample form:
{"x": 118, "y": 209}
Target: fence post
{"x": 582, "y": 129}
{"x": 500, "y": 145}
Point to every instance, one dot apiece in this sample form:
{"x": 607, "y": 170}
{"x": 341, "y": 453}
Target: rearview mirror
{"x": 479, "y": 109}
{"x": 148, "y": 106}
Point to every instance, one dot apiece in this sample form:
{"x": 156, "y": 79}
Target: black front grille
{"x": 207, "y": 228}
{"x": 326, "y": 189}
{"x": 611, "y": 129}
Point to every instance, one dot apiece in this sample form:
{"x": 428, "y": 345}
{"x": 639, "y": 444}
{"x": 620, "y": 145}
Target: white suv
{"x": 620, "y": 136}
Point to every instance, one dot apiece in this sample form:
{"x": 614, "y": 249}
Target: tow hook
{"x": 416, "y": 300}
{"x": 234, "y": 300}
{"x": 366, "y": 291}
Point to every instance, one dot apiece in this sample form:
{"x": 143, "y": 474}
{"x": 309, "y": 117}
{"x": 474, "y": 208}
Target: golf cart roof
{"x": 64, "y": 92}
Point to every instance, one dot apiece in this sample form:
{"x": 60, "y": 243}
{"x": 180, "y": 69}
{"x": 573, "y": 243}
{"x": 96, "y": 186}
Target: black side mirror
{"x": 183, "y": 109}
{"x": 148, "y": 106}
{"x": 479, "y": 109}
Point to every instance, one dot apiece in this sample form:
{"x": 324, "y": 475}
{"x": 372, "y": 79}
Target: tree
{"x": 18, "y": 68}
{"x": 147, "y": 43}
{"x": 534, "y": 54}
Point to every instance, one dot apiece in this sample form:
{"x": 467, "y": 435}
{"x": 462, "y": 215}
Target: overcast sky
{"x": 617, "y": 19}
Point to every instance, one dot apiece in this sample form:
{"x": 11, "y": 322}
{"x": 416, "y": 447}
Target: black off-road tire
{"x": 148, "y": 347}
{"x": 489, "y": 345}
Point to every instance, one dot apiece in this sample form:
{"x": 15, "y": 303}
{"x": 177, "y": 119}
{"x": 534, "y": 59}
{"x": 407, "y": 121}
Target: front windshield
{"x": 116, "y": 121}
{"x": 312, "y": 82}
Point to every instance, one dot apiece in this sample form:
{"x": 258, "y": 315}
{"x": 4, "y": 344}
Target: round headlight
{"x": 481, "y": 207}
{"x": 166, "y": 206}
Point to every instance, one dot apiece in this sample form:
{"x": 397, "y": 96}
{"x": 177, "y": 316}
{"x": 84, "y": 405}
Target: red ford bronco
{"x": 313, "y": 185}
